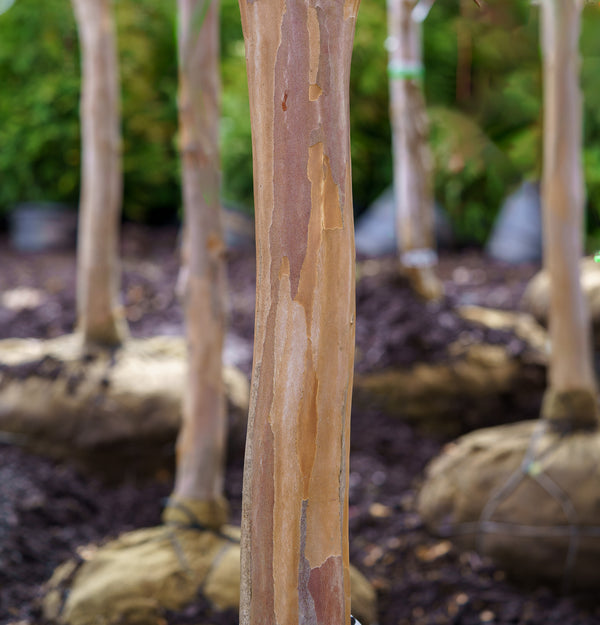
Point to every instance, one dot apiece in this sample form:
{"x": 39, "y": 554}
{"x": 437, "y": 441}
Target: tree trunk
{"x": 201, "y": 442}
{"x": 571, "y": 397}
{"x": 295, "y": 500}
{"x": 100, "y": 320}
{"x": 464, "y": 54}
{"x": 412, "y": 158}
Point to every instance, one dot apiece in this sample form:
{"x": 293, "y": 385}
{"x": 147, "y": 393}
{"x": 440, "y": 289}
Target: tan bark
{"x": 563, "y": 194}
{"x": 295, "y": 515}
{"x": 201, "y": 442}
{"x": 100, "y": 319}
{"x": 412, "y": 158}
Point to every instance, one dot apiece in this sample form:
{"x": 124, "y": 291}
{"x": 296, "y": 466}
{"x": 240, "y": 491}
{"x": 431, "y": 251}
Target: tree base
{"x": 525, "y": 495}
{"x": 111, "y": 412}
{"x": 424, "y": 282}
{"x": 138, "y": 577}
{"x": 181, "y": 512}
{"x": 567, "y": 411}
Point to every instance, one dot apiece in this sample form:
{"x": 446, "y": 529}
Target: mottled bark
{"x": 100, "y": 319}
{"x": 412, "y": 158}
{"x": 295, "y": 499}
{"x": 571, "y": 378}
{"x": 201, "y": 442}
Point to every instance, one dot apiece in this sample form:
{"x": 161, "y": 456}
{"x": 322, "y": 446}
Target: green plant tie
{"x": 400, "y": 70}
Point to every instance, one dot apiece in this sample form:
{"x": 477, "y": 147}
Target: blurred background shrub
{"x": 482, "y": 84}
{"x": 39, "y": 91}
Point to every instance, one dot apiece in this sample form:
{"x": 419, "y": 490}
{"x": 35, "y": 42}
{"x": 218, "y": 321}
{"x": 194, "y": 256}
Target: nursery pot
{"x": 41, "y": 226}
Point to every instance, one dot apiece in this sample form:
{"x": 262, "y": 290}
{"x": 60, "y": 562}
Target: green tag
{"x": 597, "y": 257}
{"x": 405, "y": 71}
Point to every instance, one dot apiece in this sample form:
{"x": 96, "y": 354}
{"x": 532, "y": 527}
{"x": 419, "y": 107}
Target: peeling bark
{"x": 100, "y": 319}
{"x": 294, "y": 517}
{"x": 412, "y": 158}
{"x": 563, "y": 192}
{"x": 201, "y": 442}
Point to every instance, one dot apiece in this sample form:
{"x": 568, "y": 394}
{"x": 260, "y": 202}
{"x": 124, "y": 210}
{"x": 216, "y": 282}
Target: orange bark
{"x": 295, "y": 516}
{"x": 99, "y": 318}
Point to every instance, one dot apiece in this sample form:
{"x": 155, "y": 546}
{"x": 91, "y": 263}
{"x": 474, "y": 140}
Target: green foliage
{"x": 482, "y": 85}
{"x": 39, "y": 129}
{"x": 39, "y": 106}
{"x": 483, "y": 88}
{"x": 369, "y": 117}
{"x": 236, "y": 139}
{"x": 148, "y": 68}
{"x": 472, "y": 173}
{"x": 590, "y": 71}
{"x": 484, "y": 92}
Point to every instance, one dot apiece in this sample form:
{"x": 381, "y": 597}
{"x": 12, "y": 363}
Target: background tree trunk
{"x": 295, "y": 500}
{"x": 412, "y": 158}
{"x": 464, "y": 53}
{"x": 201, "y": 442}
{"x": 100, "y": 320}
{"x": 571, "y": 377}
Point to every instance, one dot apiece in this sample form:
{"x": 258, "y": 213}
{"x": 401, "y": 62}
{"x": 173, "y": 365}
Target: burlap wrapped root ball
{"x": 525, "y": 495}
{"x": 105, "y": 409}
{"x": 133, "y": 580}
{"x": 536, "y": 299}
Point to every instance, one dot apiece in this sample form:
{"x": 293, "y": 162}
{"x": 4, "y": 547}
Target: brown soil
{"x": 49, "y": 512}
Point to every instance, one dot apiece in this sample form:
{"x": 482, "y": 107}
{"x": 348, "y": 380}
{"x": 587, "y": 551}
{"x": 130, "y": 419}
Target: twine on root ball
{"x": 535, "y": 466}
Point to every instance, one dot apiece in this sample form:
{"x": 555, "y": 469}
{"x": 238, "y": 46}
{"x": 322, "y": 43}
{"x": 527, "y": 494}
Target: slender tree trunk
{"x": 201, "y": 442}
{"x": 464, "y": 62}
{"x": 100, "y": 319}
{"x": 295, "y": 566}
{"x": 572, "y": 393}
{"x": 412, "y": 158}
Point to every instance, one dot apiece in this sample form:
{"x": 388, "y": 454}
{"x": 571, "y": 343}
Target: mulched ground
{"x": 48, "y": 512}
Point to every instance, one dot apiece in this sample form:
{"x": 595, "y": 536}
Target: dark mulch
{"x": 48, "y": 512}
{"x": 395, "y": 328}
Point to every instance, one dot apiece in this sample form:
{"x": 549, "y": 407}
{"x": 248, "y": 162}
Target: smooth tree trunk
{"x": 571, "y": 397}
{"x": 99, "y": 317}
{"x": 201, "y": 442}
{"x": 295, "y": 564}
{"x": 413, "y": 164}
